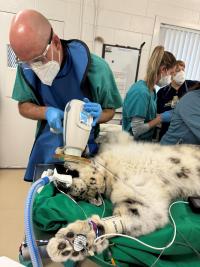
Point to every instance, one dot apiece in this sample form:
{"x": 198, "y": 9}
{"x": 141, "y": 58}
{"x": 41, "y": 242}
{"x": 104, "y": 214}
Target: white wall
{"x": 131, "y": 22}
{"x": 123, "y": 22}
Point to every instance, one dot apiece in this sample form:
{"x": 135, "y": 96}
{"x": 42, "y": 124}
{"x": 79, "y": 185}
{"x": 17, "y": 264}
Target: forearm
{"x": 139, "y": 127}
{"x": 32, "y": 111}
{"x": 106, "y": 115}
{"x": 155, "y": 121}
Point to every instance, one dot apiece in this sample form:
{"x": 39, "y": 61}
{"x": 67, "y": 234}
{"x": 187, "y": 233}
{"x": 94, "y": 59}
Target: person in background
{"x": 185, "y": 123}
{"x": 168, "y": 96}
{"x": 139, "y": 115}
{"x": 50, "y": 73}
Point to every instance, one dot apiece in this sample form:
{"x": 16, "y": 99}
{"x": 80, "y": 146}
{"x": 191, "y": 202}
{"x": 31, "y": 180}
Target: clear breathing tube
{"x": 30, "y": 236}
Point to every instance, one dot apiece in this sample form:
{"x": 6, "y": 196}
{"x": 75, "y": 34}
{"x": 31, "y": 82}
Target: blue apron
{"x": 70, "y": 83}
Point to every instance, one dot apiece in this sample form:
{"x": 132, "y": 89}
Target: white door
{"x": 16, "y": 133}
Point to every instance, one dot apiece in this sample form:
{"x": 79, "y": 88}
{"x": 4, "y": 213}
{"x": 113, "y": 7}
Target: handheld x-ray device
{"x": 77, "y": 125}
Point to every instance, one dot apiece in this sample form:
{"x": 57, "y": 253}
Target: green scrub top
{"x": 139, "y": 102}
{"x": 104, "y": 89}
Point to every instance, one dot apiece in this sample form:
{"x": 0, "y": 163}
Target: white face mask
{"x": 46, "y": 72}
{"x": 179, "y": 78}
{"x": 165, "y": 80}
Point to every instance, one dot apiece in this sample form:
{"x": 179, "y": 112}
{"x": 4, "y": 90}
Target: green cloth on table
{"x": 53, "y": 210}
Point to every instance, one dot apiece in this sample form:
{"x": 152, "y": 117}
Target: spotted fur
{"x": 141, "y": 180}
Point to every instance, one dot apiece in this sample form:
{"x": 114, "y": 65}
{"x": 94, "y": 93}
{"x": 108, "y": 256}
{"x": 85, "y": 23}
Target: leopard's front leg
{"x": 76, "y": 241}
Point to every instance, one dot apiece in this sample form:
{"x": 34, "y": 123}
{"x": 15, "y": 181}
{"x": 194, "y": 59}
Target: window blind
{"x": 185, "y": 45}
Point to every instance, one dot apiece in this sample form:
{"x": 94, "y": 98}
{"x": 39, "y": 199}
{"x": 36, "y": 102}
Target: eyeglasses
{"x": 39, "y": 60}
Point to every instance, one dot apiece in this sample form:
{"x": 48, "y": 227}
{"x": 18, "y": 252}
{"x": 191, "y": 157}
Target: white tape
{"x": 113, "y": 224}
{"x": 64, "y": 178}
{"x": 48, "y": 173}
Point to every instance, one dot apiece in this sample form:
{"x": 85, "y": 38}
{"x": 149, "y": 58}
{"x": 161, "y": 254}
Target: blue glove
{"x": 94, "y": 109}
{"x": 54, "y": 117}
{"x": 166, "y": 116}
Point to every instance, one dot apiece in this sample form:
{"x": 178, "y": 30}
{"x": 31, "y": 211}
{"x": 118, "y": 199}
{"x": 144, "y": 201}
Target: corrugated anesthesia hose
{"x": 30, "y": 237}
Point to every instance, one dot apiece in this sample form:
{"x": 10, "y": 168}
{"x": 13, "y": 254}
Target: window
{"x": 185, "y": 45}
{"x": 11, "y": 57}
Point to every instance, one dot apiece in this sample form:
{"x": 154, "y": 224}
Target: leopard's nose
{"x": 61, "y": 245}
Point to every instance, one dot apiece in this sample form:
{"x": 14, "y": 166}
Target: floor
{"x": 13, "y": 191}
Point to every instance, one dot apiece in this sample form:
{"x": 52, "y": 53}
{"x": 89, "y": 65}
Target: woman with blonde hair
{"x": 139, "y": 108}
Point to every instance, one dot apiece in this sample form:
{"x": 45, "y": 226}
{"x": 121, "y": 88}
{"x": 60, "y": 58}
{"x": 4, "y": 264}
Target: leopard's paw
{"x": 76, "y": 241}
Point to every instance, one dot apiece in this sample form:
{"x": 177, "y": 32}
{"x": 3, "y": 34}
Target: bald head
{"x": 29, "y": 34}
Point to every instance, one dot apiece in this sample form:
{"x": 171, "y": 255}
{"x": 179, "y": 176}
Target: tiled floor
{"x": 13, "y": 191}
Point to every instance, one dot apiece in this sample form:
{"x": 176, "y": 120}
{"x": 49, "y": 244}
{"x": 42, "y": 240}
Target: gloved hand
{"x": 54, "y": 117}
{"x": 166, "y": 116}
{"x": 94, "y": 109}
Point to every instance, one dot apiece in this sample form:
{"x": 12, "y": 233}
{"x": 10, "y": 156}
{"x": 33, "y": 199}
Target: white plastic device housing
{"x": 77, "y": 127}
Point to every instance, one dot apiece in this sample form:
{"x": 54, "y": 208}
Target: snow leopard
{"x": 141, "y": 179}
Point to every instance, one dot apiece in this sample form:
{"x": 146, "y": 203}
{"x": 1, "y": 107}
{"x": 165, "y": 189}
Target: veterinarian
{"x": 140, "y": 107}
{"x": 52, "y": 72}
{"x": 185, "y": 124}
{"x": 168, "y": 96}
